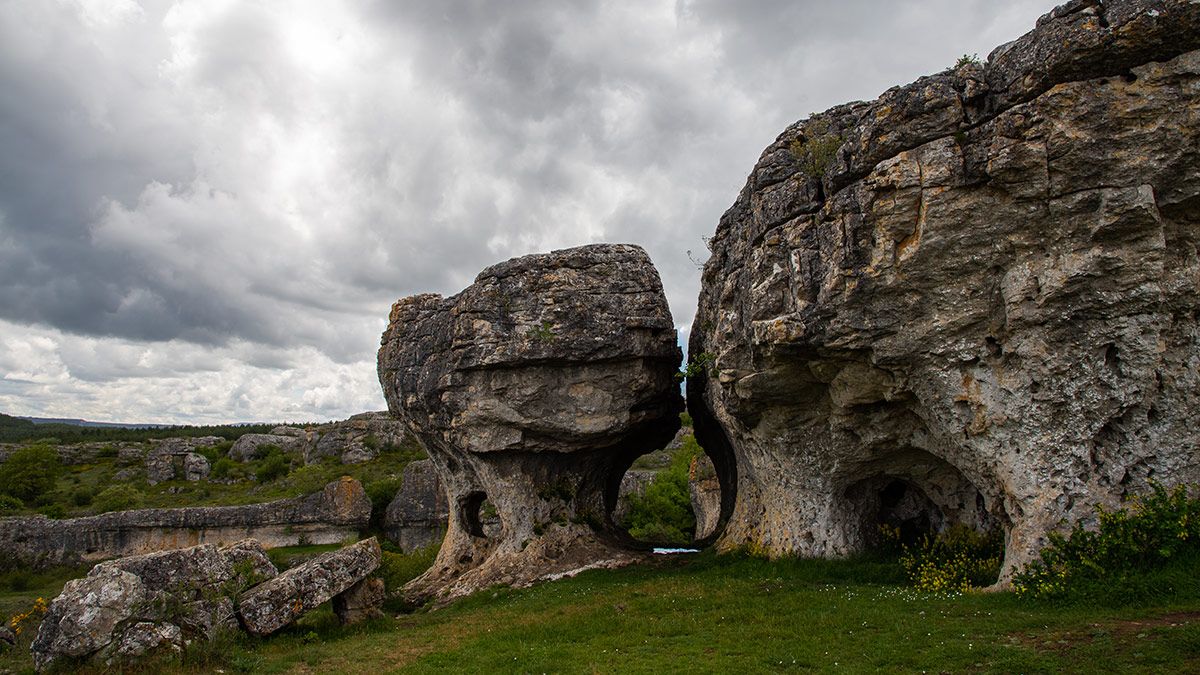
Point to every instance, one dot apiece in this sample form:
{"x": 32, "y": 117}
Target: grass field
{"x": 719, "y": 614}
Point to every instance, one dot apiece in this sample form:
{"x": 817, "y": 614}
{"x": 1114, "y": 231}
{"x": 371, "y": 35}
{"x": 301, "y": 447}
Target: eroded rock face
{"x": 972, "y": 300}
{"x": 533, "y": 390}
{"x": 250, "y": 447}
{"x": 128, "y": 607}
{"x": 274, "y": 604}
{"x": 357, "y": 439}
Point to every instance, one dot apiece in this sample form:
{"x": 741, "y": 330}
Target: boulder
{"x": 274, "y": 604}
{"x": 533, "y": 390}
{"x": 358, "y": 439}
{"x": 416, "y": 517}
{"x": 172, "y": 458}
{"x": 130, "y": 606}
{"x": 249, "y": 447}
{"x": 633, "y": 483}
{"x": 360, "y": 602}
{"x": 704, "y": 492}
{"x": 970, "y": 301}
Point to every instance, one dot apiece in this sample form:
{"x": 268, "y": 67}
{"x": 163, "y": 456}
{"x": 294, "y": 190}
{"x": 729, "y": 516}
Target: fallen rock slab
{"x": 128, "y": 607}
{"x": 360, "y": 602}
{"x": 274, "y": 604}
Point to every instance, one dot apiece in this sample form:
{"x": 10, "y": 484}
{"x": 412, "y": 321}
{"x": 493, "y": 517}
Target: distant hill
{"x": 87, "y": 423}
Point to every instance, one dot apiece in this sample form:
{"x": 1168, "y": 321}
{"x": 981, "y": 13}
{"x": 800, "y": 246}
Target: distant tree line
{"x": 15, "y": 430}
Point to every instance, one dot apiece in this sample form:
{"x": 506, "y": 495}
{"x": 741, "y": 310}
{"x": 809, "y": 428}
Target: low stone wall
{"x": 330, "y": 516}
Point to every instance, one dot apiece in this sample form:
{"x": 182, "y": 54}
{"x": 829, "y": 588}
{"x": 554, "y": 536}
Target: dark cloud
{"x": 263, "y": 181}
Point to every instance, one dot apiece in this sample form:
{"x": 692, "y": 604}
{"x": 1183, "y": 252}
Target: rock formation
{"x": 533, "y": 390}
{"x": 704, "y": 492}
{"x": 417, "y": 516}
{"x": 129, "y": 607}
{"x": 281, "y": 600}
{"x": 250, "y": 447}
{"x": 172, "y": 458}
{"x": 972, "y": 300}
{"x": 357, "y": 439}
{"x": 338, "y": 511}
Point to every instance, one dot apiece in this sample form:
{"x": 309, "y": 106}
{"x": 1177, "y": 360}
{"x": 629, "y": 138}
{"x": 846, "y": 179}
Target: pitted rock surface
{"x": 274, "y": 604}
{"x": 972, "y": 300}
{"x": 533, "y": 390}
{"x": 127, "y": 607}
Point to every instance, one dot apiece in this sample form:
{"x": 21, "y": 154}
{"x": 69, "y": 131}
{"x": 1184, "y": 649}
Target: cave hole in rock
{"x": 667, "y": 499}
{"x": 479, "y": 516}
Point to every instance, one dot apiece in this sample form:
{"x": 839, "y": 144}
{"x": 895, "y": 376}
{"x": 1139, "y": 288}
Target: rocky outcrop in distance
{"x": 416, "y": 517}
{"x": 132, "y": 607}
{"x": 972, "y": 300}
{"x": 533, "y": 390}
{"x": 330, "y": 516}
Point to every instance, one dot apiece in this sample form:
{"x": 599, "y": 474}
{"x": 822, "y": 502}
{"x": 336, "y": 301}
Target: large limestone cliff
{"x": 971, "y": 300}
{"x": 533, "y": 391}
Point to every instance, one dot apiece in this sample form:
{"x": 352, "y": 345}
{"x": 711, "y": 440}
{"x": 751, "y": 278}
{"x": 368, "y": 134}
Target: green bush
{"x": 1153, "y": 532}
{"x": 82, "y": 496}
{"x": 274, "y": 465}
{"x": 663, "y": 515}
{"x": 958, "y": 559}
{"x": 397, "y": 569}
{"x": 381, "y": 492}
{"x": 117, "y": 498}
{"x": 53, "y": 511}
{"x": 817, "y": 149}
{"x": 222, "y": 468}
{"x": 30, "y": 472}
{"x": 10, "y": 504}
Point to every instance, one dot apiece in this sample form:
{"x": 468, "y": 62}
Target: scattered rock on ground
{"x": 274, "y": 604}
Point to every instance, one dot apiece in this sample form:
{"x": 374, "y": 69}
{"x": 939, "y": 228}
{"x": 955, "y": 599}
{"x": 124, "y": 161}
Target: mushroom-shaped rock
{"x": 274, "y": 604}
{"x": 533, "y": 390}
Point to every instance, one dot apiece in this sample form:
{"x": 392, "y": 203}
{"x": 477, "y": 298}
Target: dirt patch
{"x": 1120, "y": 630}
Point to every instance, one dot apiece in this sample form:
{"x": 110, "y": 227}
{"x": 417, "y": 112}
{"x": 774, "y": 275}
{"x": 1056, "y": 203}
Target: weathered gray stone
{"x": 249, "y": 447}
{"x": 533, "y": 390}
{"x": 417, "y": 516}
{"x": 274, "y": 604}
{"x": 338, "y": 511}
{"x": 361, "y": 602}
{"x": 357, "y": 439}
{"x": 171, "y": 458}
{"x": 8, "y": 638}
{"x": 704, "y": 492}
{"x": 127, "y": 607}
{"x": 972, "y": 300}
{"x": 633, "y": 483}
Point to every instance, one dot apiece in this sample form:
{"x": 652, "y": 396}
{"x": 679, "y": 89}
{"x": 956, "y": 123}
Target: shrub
{"x": 273, "y": 466}
{"x": 10, "y": 504}
{"x": 816, "y": 149}
{"x": 381, "y": 492}
{"x": 117, "y": 498}
{"x": 664, "y": 513}
{"x": 966, "y": 60}
{"x": 397, "y": 569}
{"x": 81, "y": 496}
{"x": 958, "y": 559}
{"x": 222, "y": 468}
{"x": 1151, "y": 533}
{"x": 30, "y": 472}
{"x": 53, "y": 511}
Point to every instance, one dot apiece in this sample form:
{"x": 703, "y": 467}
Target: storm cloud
{"x": 206, "y": 208}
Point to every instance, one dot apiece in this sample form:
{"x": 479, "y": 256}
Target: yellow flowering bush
{"x": 955, "y": 560}
{"x": 1151, "y": 531}
{"x": 33, "y": 617}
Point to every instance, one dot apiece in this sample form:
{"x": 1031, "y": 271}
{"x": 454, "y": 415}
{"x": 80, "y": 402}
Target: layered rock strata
{"x": 972, "y": 300}
{"x": 330, "y": 516}
{"x": 533, "y": 391}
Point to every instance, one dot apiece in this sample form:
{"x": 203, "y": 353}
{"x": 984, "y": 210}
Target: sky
{"x": 208, "y": 207}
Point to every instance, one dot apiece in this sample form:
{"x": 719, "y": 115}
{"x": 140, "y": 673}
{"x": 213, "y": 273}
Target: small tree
{"x": 30, "y": 473}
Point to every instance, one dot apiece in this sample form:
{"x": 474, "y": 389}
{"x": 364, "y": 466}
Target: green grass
{"x": 716, "y": 614}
